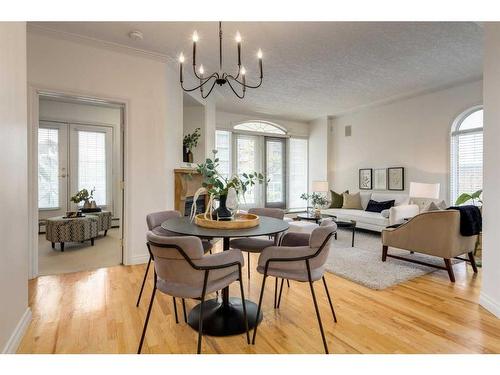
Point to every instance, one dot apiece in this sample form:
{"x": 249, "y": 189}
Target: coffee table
{"x": 311, "y": 217}
{"x": 346, "y": 224}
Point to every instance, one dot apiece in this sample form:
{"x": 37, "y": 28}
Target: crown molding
{"x": 100, "y": 43}
{"x": 407, "y": 96}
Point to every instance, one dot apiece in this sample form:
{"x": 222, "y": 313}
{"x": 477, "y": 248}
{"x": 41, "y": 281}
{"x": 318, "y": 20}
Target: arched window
{"x": 467, "y": 153}
{"x": 260, "y": 127}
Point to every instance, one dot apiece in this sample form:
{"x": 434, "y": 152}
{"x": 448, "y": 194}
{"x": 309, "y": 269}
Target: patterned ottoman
{"x": 104, "y": 220}
{"x": 71, "y": 230}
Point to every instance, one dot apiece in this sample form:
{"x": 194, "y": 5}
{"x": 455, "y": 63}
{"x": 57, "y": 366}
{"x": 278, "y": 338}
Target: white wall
{"x": 14, "y": 311}
{"x": 153, "y": 138}
{"x": 194, "y": 117}
{"x": 490, "y": 291}
{"x": 226, "y": 120}
{"x": 412, "y": 133}
{"x": 318, "y": 150}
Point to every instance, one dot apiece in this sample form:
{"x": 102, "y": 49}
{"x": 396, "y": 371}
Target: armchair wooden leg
{"x": 258, "y": 309}
{"x": 146, "y": 321}
{"x": 472, "y": 261}
{"x": 449, "y": 268}
{"x": 384, "y": 253}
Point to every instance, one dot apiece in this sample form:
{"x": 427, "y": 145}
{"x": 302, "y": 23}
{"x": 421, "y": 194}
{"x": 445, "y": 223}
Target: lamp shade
{"x": 421, "y": 190}
{"x": 320, "y": 186}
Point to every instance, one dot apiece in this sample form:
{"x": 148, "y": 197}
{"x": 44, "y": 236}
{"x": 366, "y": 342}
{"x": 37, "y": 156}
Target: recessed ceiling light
{"x": 135, "y": 35}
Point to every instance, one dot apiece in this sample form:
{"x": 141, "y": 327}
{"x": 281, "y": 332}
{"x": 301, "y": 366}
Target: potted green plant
{"x": 189, "y": 143}
{"x": 83, "y": 196}
{"x": 218, "y": 186}
{"x": 318, "y": 201}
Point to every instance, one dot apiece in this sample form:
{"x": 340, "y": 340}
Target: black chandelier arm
{"x": 201, "y": 85}
{"x": 244, "y": 84}
{"x": 209, "y": 91}
{"x": 232, "y": 88}
{"x": 204, "y": 79}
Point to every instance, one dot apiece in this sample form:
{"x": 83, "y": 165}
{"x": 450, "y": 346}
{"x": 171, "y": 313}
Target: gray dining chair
{"x": 299, "y": 263}
{"x": 294, "y": 239}
{"x": 154, "y": 221}
{"x": 182, "y": 270}
{"x": 256, "y": 245}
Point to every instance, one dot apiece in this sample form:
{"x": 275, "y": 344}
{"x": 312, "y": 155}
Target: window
{"x": 260, "y": 127}
{"x": 223, "y": 146}
{"x": 92, "y": 164}
{"x": 247, "y": 160}
{"x": 297, "y": 173}
{"x": 48, "y": 168}
{"x": 467, "y": 153}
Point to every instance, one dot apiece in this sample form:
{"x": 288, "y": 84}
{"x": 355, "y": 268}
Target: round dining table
{"x": 225, "y": 317}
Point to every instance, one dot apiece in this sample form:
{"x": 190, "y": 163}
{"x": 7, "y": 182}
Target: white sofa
{"x": 373, "y": 220}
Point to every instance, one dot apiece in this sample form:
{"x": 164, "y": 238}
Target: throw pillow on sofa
{"x": 352, "y": 201}
{"x": 337, "y": 199}
{"x": 433, "y": 206}
{"x": 374, "y": 206}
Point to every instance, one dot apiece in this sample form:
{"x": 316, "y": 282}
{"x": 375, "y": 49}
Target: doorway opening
{"x": 79, "y": 147}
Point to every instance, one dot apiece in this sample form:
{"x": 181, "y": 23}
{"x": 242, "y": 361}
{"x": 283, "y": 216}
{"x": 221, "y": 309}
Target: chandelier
{"x": 237, "y": 83}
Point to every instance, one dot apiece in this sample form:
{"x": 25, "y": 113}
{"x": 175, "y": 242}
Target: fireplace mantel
{"x": 187, "y": 182}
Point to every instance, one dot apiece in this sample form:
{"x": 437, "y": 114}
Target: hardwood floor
{"x": 94, "y": 312}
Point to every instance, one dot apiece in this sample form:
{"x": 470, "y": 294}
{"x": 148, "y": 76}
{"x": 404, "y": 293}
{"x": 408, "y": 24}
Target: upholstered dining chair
{"x": 295, "y": 239}
{"x": 182, "y": 270}
{"x": 299, "y": 263}
{"x": 154, "y": 221}
{"x": 256, "y": 245}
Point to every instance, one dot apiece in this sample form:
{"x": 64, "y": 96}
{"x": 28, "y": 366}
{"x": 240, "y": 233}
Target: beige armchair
{"x": 434, "y": 233}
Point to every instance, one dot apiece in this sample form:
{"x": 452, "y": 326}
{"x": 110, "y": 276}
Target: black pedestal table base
{"x": 224, "y": 320}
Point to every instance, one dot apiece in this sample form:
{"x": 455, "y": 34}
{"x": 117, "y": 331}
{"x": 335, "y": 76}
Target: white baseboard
{"x": 17, "y": 335}
{"x": 139, "y": 259}
{"x": 490, "y": 304}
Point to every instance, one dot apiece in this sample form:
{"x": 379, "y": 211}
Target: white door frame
{"x": 34, "y": 94}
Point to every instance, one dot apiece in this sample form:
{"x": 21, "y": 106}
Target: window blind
{"x": 223, "y": 147}
{"x": 297, "y": 173}
{"x": 92, "y": 164}
{"x": 48, "y": 168}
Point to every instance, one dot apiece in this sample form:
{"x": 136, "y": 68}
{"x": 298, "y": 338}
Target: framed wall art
{"x": 396, "y": 178}
{"x": 380, "y": 179}
{"x": 365, "y": 179}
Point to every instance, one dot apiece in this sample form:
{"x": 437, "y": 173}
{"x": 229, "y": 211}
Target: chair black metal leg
{"x": 244, "y": 306}
{"x": 288, "y": 283}
{"x": 200, "y": 322}
{"x": 472, "y": 261}
{"x": 281, "y": 290}
{"x": 143, "y": 282}
{"x": 275, "y": 292}
{"x": 175, "y": 310}
{"x": 316, "y": 307}
{"x": 146, "y": 321}
{"x": 258, "y": 309}
{"x": 329, "y": 300}
{"x": 248, "y": 265}
{"x": 184, "y": 310}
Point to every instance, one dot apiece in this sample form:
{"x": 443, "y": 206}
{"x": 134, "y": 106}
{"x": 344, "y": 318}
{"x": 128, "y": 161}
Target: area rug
{"x": 363, "y": 263}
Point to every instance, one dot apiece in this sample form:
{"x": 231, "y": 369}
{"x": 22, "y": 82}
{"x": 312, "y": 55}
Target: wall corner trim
{"x": 490, "y": 304}
{"x": 18, "y": 333}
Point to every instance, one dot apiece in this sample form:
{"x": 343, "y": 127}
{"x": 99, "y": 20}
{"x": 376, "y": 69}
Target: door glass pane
{"x": 223, "y": 147}
{"x": 92, "y": 164}
{"x": 48, "y": 168}
{"x": 246, "y": 149}
{"x": 297, "y": 173}
{"x": 274, "y": 169}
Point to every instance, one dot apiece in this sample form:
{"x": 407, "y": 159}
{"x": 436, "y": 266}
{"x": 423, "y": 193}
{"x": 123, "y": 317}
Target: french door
{"x": 275, "y": 161}
{"x": 72, "y": 157}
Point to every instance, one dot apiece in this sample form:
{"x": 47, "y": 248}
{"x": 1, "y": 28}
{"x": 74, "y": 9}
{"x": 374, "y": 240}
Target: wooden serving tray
{"x": 241, "y": 221}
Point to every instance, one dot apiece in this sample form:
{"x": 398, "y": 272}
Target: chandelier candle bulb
{"x": 181, "y": 60}
{"x": 238, "y": 40}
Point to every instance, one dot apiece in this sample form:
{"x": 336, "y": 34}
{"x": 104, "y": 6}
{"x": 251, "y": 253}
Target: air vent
{"x": 348, "y": 131}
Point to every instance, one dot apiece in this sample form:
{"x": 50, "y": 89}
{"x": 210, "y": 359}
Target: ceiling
{"x": 314, "y": 69}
